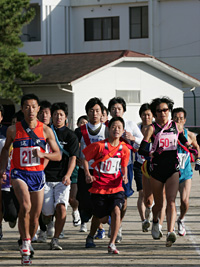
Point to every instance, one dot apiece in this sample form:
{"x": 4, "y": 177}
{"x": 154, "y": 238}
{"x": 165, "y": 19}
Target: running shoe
{"x": 61, "y": 235}
{"x": 42, "y": 238}
{"x": 90, "y": 242}
{"x": 148, "y": 214}
{"x": 50, "y": 229}
{"x": 76, "y": 218}
{"x": 155, "y": 231}
{"x": 112, "y": 249}
{"x": 181, "y": 227}
{"x": 171, "y": 238}
{"x": 54, "y": 244}
{"x": 83, "y": 227}
{"x": 119, "y": 236}
{"x": 34, "y": 239}
{"x": 25, "y": 247}
{"x": 100, "y": 234}
{"x": 1, "y": 232}
{"x": 12, "y": 224}
{"x": 145, "y": 225}
{"x": 26, "y": 261}
{"x": 160, "y": 230}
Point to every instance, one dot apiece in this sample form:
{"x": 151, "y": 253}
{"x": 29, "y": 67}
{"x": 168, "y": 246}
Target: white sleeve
{"x": 2, "y": 143}
{"x": 136, "y": 133}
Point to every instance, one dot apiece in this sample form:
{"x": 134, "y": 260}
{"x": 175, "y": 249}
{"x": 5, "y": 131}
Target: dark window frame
{"x": 88, "y": 39}
{"x": 36, "y": 23}
{"x": 142, "y": 35}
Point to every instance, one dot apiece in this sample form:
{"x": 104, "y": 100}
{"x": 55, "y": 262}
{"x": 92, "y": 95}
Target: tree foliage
{"x": 14, "y": 65}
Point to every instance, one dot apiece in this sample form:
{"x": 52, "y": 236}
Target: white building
{"x": 166, "y": 29}
{"x": 138, "y": 78}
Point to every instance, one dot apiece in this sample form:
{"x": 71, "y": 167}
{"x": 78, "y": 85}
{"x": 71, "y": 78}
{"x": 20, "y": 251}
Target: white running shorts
{"x": 54, "y": 193}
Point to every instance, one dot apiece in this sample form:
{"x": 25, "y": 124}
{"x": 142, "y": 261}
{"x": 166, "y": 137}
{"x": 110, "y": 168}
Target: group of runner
{"x": 92, "y": 169}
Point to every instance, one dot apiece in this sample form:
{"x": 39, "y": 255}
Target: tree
{"x": 14, "y": 65}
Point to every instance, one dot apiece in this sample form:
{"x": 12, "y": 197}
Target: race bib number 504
{"x": 26, "y": 157}
{"x": 168, "y": 142}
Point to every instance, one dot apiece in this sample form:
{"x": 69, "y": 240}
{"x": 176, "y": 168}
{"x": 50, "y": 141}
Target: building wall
{"x": 170, "y": 34}
{"x": 62, "y": 27}
{"x": 78, "y": 44}
{"x": 177, "y": 42}
{"x": 54, "y": 29}
{"x": 53, "y": 95}
{"x": 177, "y": 37}
{"x": 127, "y": 76}
{"x": 103, "y": 84}
{"x": 174, "y": 36}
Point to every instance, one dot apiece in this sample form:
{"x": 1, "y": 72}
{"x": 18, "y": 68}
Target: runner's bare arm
{"x": 88, "y": 177}
{"x": 147, "y": 132}
{"x": 129, "y": 136}
{"x": 55, "y": 154}
{"x": 124, "y": 172}
{"x": 193, "y": 141}
{"x": 10, "y": 136}
{"x": 71, "y": 165}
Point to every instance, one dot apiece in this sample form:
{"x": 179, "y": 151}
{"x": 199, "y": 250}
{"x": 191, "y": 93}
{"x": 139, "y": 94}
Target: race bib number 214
{"x": 26, "y": 157}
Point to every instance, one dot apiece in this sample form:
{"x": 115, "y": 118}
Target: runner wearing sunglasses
{"x": 164, "y": 166}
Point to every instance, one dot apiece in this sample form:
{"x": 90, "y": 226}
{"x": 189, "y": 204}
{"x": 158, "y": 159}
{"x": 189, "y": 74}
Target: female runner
{"x": 164, "y": 165}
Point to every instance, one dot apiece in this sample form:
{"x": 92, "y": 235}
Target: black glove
{"x": 193, "y": 151}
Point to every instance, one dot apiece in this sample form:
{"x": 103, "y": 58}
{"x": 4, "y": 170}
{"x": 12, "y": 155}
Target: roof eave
{"x": 187, "y": 80}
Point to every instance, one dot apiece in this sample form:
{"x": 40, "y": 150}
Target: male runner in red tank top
{"x": 27, "y": 169}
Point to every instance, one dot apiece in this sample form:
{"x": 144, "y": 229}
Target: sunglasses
{"x": 162, "y": 110}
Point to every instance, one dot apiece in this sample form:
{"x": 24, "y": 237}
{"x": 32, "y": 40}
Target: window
{"x": 32, "y": 31}
{"x": 139, "y": 22}
{"x": 130, "y": 96}
{"x": 97, "y": 29}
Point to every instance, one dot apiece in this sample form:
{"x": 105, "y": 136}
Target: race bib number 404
{"x": 110, "y": 166}
{"x": 26, "y": 157}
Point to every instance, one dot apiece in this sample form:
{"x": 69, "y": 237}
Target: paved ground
{"x": 136, "y": 249}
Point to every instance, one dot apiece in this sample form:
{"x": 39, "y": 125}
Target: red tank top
{"x": 107, "y": 174}
{"x": 23, "y": 145}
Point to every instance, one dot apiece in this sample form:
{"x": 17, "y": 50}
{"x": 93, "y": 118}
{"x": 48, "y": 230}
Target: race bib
{"x": 182, "y": 160}
{"x": 168, "y": 142}
{"x": 26, "y": 157}
{"x": 111, "y": 165}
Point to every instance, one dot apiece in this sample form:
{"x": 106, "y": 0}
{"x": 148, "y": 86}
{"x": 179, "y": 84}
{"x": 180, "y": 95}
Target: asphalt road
{"x": 136, "y": 249}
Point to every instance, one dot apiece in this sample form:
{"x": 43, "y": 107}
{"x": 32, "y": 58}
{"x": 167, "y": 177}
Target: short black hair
{"x": 117, "y": 100}
{"x": 2, "y": 110}
{"x": 143, "y": 108}
{"x": 116, "y": 119}
{"x": 85, "y": 117}
{"x": 45, "y": 104}
{"x": 59, "y": 105}
{"x": 157, "y": 101}
{"x": 28, "y": 97}
{"x": 92, "y": 102}
{"x": 107, "y": 111}
{"x": 176, "y": 110}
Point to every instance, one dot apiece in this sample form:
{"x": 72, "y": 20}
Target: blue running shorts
{"x": 35, "y": 180}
